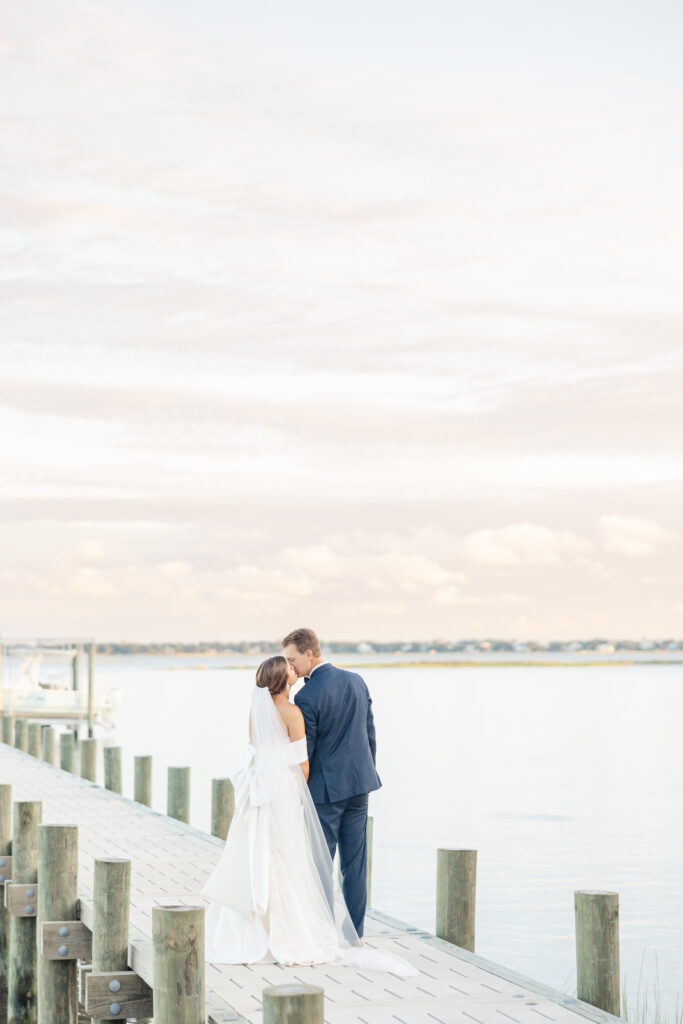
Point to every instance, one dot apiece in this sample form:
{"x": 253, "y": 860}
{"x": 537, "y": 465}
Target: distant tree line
{"x": 598, "y": 644}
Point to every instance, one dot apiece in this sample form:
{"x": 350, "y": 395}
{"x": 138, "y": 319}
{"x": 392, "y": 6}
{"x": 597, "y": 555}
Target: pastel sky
{"x": 366, "y": 316}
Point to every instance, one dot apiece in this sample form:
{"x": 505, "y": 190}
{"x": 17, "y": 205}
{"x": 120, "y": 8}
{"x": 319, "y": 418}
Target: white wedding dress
{"x": 273, "y": 896}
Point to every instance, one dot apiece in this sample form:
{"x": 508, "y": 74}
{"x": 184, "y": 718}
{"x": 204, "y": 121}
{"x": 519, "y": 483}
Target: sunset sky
{"x": 365, "y": 316}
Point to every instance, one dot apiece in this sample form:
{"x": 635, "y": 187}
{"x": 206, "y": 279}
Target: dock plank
{"x": 170, "y": 862}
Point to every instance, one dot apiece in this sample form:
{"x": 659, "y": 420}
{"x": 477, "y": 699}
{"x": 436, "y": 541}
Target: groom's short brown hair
{"x": 303, "y": 640}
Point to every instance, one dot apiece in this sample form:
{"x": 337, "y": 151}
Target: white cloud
{"x": 91, "y": 551}
{"x": 91, "y": 583}
{"x": 630, "y": 535}
{"x": 384, "y": 608}
{"x": 175, "y": 570}
{"x": 525, "y": 544}
{"x": 510, "y": 598}
{"x": 449, "y": 596}
{"x": 371, "y": 570}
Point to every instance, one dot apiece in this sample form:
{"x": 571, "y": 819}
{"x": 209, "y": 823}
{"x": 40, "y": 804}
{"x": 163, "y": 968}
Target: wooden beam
{"x": 65, "y": 940}
{"x": 5, "y": 861}
{"x": 117, "y": 995}
{"x": 21, "y": 900}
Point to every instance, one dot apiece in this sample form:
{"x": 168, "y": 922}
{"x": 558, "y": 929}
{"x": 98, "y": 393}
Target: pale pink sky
{"x": 364, "y": 316}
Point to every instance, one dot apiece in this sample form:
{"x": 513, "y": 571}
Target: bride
{"x": 272, "y": 895}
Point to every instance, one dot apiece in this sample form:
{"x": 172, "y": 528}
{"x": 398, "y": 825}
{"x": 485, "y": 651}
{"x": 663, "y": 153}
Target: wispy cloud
{"x": 526, "y": 544}
{"x": 629, "y": 535}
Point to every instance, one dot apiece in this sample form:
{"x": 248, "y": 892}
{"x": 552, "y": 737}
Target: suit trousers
{"x": 344, "y": 824}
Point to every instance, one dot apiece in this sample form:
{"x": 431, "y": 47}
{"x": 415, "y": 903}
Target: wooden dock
{"x": 170, "y": 863}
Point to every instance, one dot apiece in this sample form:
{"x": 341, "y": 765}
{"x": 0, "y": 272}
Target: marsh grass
{"x": 646, "y": 1005}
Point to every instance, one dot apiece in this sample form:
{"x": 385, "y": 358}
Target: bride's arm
{"x": 297, "y": 731}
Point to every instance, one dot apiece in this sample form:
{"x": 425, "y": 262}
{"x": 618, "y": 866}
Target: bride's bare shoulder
{"x": 292, "y": 718}
{"x": 289, "y": 712}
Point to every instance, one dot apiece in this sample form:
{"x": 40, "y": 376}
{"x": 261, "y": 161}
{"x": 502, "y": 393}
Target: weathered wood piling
{"x": 34, "y": 739}
{"x": 110, "y": 930}
{"x": 597, "y": 949}
{"x": 142, "y": 786}
{"x": 20, "y": 734}
{"x": 57, "y": 903}
{"x": 8, "y": 729}
{"x": 112, "y": 769}
{"x": 456, "y": 882}
{"x": 21, "y": 898}
{"x": 91, "y": 690}
{"x": 74, "y": 667}
{"x": 178, "y": 802}
{"x": 222, "y": 807}
{"x": 293, "y": 1004}
{"x": 48, "y": 744}
{"x": 178, "y": 936}
{"x": 88, "y": 752}
{"x": 369, "y": 830}
{"x": 67, "y": 753}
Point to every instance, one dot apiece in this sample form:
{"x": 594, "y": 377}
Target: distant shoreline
{"x": 512, "y": 664}
{"x": 613, "y": 663}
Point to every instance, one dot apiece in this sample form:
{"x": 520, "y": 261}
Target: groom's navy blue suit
{"x": 340, "y": 734}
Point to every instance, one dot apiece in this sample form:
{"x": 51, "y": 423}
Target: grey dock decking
{"x": 171, "y": 861}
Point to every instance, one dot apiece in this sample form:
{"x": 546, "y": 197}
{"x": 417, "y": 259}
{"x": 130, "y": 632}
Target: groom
{"x": 340, "y": 734}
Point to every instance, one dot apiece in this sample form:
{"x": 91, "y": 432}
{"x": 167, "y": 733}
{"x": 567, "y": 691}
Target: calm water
{"x": 561, "y": 778}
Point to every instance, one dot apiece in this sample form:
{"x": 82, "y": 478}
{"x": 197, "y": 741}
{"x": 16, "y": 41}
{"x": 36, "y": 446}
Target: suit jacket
{"x": 340, "y": 734}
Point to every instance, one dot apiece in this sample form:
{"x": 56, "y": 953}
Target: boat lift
{"x": 33, "y": 697}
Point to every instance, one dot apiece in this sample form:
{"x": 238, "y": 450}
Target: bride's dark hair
{"x": 272, "y": 674}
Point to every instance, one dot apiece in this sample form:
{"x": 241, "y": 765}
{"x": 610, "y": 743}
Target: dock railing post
{"x": 456, "y": 886}
{"x": 597, "y": 949}
{"x": 91, "y": 690}
{"x": 178, "y": 936}
{"x": 222, "y": 807}
{"x": 293, "y": 1004}
{"x": 23, "y": 958}
{"x": 8, "y": 730}
{"x": 48, "y": 739}
{"x": 20, "y": 735}
{"x": 89, "y": 759}
{"x": 34, "y": 739}
{"x": 66, "y": 751}
{"x": 369, "y": 829}
{"x": 74, "y": 668}
{"x": 112, "y": 769}
{"x": 142, "y": 786}
{"x": 111, "y": 910}
{"x": 57, "y": 901}
{"x": 178, "y": 803}
{"x": 5, "y": 851}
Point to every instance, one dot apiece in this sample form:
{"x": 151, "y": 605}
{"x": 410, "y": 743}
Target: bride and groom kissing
{"x": 303, "y": 795}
